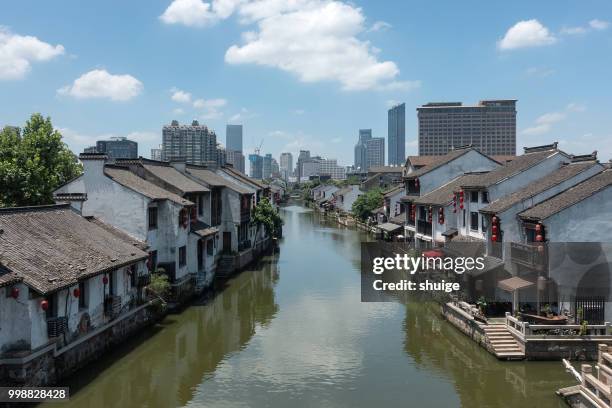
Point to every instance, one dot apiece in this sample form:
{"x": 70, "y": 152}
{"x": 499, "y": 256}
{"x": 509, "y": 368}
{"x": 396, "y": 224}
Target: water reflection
{"x": 293, "y": 332}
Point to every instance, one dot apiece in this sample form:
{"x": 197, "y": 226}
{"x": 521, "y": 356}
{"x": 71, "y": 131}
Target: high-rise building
{"x": 275, "y": 169}
{"x": 256, "y": 166}
{"x": 236, "y": 159}
{"x": 311, "y": 167}
{"x": 397, "y": 135}
{"x": 156, "y": 154}
{"x": 303, "y": 156}
{"x": 117, "y": 148}
{"x": 330, "y": 167}
{"x": 221, "y": 155}
{"x": 267, "y": 166}
{"x": 375, "y": 152}
{"x": 489, "y": 126}
{"x": 286, "y": 165}
{"x": 194, "y": 144}
{"x": 360, "y": 149}
{"x": 233, "y": 137}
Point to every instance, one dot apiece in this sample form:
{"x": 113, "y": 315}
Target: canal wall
{"x": 466, "y": 324}
{"x": 573, "y": 349}
{"x": 50, "y": 364}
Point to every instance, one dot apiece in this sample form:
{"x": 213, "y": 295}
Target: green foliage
{"x": 353, "y": 180}
{"x": 366, "y": 203}
{"x": 264, "y": 214}
{"x": 159, "y": 285}
{"x": 33, "y": 163}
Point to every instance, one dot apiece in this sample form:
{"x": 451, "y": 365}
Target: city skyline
{"x": 551, "y": 59}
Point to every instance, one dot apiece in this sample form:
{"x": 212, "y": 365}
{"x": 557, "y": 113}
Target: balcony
{"x": 530, "y": 255}
{"x": 424, "y": 227}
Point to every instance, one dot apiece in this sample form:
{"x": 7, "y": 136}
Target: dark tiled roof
{"x": 175, "y": 178}
{"x": 447, "y": 158}
{"x": 569, "y": 197}
{"x": 421, "y": 161}
{"x": 128, "y": 179}
{"x": 516, "y": 166}
{"x": 444, "y": 194}
{"x": 386, "y": 169}
{"x": 343, "y": 191}
{"x": 212, "y": 179}
{"x": 398, "y": 219}
{"x": 565, "y": 172}
{"x": 244, "y": 177}
{"x": 121, "y": 234}
{"x": 8, "y": 277}
{"x": 394, "y": 190}
{"x": 52, "y": 247}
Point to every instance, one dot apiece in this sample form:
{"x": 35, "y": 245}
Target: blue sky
{"x": 305, "y": 73}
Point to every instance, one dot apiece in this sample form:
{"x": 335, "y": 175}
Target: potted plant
{"x": 547, "y": 310}
{"x": 482, "y": 304}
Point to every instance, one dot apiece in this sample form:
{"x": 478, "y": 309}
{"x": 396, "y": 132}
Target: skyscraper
{"x": 397, "y": 135}
{"x": 156, "y": 154}
{"x": 360, "y": 149}
{"x": 303, "y": 156}
{"x": 233, "y": 137}
{"x": 267, "y": 166}
{"x": 330, "y": 167}
{"x": 256, "y": 166}
{"x": 375, "y": 152}
{"x": 118, "y": 148}
{"x": 286, "y": 165}
{"x": 194, "y": 144}
{"x": 236, "y": 159}
{"x": 489, "y": 126}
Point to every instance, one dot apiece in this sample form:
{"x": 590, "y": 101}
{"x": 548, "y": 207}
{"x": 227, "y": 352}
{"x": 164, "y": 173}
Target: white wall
{"x": 15, "y": 324}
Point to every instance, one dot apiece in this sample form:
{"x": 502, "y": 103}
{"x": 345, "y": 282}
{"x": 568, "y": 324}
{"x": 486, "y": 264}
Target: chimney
{"x": 93, "y": 164}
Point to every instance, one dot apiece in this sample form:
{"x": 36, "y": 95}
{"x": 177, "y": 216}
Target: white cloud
{"x": 379, "y": 26}
{"x": 101, "y": 84}
{"x": 598, "y": 24}
{"x": 539, "y": 72}
{"x": 544, "y": 123}
{"x": 317, "y": 41}
{"x": 241, "y": 116}
{"x": 18, "y": 52}
{"x": 573, "y": 30}
{"x": 576, "y": 107}
{"x": 180, "y": 96}
{"x": 178, "y": 111}
{"x": 209, "y": 103}
{"x": 299, "y": 111}
{"x": 196, "y": 13}
{"x": 336, "y": 139}
{"x": 527, "y": 33}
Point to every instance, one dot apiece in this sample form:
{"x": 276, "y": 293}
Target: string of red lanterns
{"x": 441, "y": 215}
{"x": 495, "y": 230}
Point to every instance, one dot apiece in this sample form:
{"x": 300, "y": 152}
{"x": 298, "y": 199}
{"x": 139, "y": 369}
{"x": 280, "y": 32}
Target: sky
{"x": 305, "y": 74}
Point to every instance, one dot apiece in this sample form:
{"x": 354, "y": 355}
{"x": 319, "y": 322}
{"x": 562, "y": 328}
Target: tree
{"x": 264, "y": 214}
{"x": 366, "y": 203}
{"x": 33, "y": 163}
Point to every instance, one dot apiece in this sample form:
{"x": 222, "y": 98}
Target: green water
{"x": 292, "y": 332}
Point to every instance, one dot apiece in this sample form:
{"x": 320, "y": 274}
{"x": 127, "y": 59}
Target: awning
{"x": 450, "y": 232}
{"x": 203, "y": 230}
{"x": 433, "y": 253}
{"x": 389, "y": 227}
{"x": 514, "y": 283}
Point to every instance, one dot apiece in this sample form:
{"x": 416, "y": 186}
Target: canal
{"x": 292, "y": 332}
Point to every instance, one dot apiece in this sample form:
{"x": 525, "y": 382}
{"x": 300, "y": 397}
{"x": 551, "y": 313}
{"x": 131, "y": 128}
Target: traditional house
{"x": 430, "y": 177}
{"x": 203, "y": 237}
{"x": 143, "y": 210}
{"x": 391, "y": 201}
{"x": 345, "y": 197}
{"x": 69, "y": 287}
{"x": 478, "y": 192}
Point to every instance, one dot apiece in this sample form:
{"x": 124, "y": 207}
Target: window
{"x": 200, "y": 205}
{"x": 82, "y": 295}
{"x": 485, "y": 196}
{"x": 152, "y": 218}
{"x": 473, "y": 196}
{"x": 463, "y": 216}
{"x": 474, "y": 221}
{"x": 132, "y": 272}
{"x": 182, "y": 256}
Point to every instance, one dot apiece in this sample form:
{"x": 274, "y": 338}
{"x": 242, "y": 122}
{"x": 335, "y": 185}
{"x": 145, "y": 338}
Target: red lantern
{"x": 44, "y": 305}
{"x": 105, "y": 280}
{"x": 494, "y": 238}
{"x": 461, "y": 206}
{"x": 15, "y": 292}
{"x": 494, "y": 229}
{"x": 495, "y": 220}
{"x": 461, "y": 194}
{"x": 76, "y": 292}
{"x": 538, "y": 227}
{"x": 539, "y": 238}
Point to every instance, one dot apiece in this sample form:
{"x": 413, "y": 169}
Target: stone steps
{"x": 502, "y": 342}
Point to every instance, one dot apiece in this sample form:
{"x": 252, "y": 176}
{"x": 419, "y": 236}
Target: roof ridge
{"x": 27, "y": 208}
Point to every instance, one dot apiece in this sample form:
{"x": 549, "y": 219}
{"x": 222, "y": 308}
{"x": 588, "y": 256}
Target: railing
{"x": 424, "y": 227}
{"x": 56, "y": 326}
{"x": 528, "y": 254}
{"x": 537, "y": 331}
